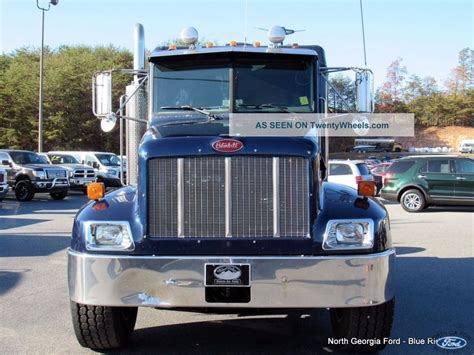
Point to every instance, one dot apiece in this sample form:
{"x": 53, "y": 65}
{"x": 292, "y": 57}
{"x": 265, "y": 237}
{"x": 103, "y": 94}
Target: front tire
{"x": 102, "y": 327}
{"x": 58, "y": 195}
{"x": 24, "y": 190}
{"x": 413, "y": 201}
{"x": 363, "y": 323}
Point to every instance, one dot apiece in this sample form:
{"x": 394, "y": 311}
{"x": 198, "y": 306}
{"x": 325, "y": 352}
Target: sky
{"x": 427, "y": 34}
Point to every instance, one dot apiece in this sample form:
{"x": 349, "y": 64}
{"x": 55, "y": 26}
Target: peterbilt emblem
{"x": 227, "y": 272}
{"x": 227, "y": 145}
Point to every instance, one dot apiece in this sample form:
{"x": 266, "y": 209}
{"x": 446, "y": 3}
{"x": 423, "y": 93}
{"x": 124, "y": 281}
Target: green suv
{"x": 419, "y": 181}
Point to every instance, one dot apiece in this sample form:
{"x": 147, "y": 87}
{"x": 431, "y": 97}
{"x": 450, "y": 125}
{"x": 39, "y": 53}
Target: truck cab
{"x": 216, "y": 221}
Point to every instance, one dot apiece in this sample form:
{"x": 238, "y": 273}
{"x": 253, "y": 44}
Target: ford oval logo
{"x": 451, "y": 342}
{"x": 227, "y": 272}
{"x": 227, "y": 145}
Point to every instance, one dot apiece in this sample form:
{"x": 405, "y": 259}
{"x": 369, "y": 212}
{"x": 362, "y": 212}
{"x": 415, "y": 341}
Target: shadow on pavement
{"x": 69, "y": 205}
{"x": 290, "y": 335}
{"x": 11, "y": 223}
{"x": 408, "y": 250}
{"x": 32, "y": 245}
{"x": 10, "y": 279}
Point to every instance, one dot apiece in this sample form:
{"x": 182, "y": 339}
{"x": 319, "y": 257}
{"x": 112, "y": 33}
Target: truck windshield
{"x": 206, "y": 88}
{"x": 22, "y": 158}
{"x": 266, "y": 86}
{"x": 108, "y": 159}
{"x": 257, "y": 82}
{"x": 62, "y": 159}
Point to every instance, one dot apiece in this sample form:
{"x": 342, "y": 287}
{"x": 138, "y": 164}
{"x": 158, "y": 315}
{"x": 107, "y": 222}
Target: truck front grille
{"x": 2, "y": 178}
{"x": 55, "y": 173}
{"x": 239, "y": 197}
{"x": 83, "y": 173}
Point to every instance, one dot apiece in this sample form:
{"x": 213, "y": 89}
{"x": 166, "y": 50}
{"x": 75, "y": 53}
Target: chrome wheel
{"x": 412, "y": 201}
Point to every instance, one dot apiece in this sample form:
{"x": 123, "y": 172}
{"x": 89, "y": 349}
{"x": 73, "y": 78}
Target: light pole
{"x": 40, "y": 108}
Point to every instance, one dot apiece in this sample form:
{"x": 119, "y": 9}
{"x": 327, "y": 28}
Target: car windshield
{"x": 63, "y": 159}
{"x": 108, "y": 159}
{"x": 261, "y": 83}
{"x": 27, "y": 158}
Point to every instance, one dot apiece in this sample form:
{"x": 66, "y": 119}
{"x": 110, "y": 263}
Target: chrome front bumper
{"x": 276, "y": 282}
{"x": 3, "y": 189}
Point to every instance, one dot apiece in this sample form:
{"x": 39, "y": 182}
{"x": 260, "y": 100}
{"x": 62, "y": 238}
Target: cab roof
{"x": 239, "y": 48}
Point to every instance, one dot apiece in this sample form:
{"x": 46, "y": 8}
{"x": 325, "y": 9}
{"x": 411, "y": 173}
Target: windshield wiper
{"x": 212, "y": 117}
{"x": 269, "y": 105}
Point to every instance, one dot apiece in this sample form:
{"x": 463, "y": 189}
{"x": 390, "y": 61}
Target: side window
{"x": 424, "y": 168}
{"x": 400, "y": 167}
{"x": 464, "y": 166}
{"x": 89, "y": 160}
{"x": 4, "y": 156}
{"x": 339, "y": 169}
{"x": 439, "y": 166}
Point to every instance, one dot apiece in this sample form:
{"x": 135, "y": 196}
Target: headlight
{"x": 108, "y": 236}
{"x": 349, "y": 234}
{"x": 71, "y": 174}
{"x": 39, "y": 174}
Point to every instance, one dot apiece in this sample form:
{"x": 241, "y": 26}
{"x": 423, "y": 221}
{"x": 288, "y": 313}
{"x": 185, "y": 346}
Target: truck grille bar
{"x": 232, "y": 197}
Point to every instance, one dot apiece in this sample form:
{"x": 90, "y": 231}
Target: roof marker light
{"x": 172, "y": 46}
{"x": 233, "y": 43}
{"x": 256, "y": 44}
{"x": 209, "y": 45}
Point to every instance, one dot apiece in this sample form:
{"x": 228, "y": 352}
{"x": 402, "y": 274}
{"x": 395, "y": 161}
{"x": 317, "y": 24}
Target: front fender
{"x": 341, "y": 202}
{"x": 119, "y": 205}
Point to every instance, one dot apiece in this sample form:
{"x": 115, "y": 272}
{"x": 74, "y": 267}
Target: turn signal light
{"x": 366, "y": 188}
{"x": 95, "y": 190}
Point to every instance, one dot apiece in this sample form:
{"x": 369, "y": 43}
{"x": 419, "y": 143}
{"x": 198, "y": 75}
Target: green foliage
{"x": 423, "y": 97}
{"x": 342, "y": 93}
{"x": 68, "y": 120}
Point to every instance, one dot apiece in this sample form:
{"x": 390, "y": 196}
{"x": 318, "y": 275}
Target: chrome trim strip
{"x": 228, "y": 197}
{"x": 276, "y": 197}
{"x": 180, "y": 192}
{"x": 276, "y": 282}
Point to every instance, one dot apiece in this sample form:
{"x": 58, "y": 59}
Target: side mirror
{"x": 102, "y": 94}
{"x": 95, "y": 165}
{"x": 6, "y": 162}
{"x": 365, "y": 91}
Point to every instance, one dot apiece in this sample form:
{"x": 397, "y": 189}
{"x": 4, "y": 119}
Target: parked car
{"x": 372, "y": 162}
{"x": 348, "y": 172}
{"x": 379, "y": 171}
{"x": 420, "y": 181}
{"x": 3, "y": 184}
{"x": 367, "y": 149}
{"x": 467, "y": 148}
{"x": 106, "y": 165}
{"x": 29, "y": 173}
{"x": 79, "y": 175}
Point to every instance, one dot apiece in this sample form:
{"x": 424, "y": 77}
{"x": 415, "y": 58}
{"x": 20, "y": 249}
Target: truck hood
{"x": 42, "y": 166}
{"x": 72, "y": 167}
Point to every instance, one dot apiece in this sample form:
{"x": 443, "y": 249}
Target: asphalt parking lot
{"x": 434, "y": 291}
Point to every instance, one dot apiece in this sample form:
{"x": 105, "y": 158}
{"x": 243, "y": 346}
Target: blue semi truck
{"x": 211, "y": 221}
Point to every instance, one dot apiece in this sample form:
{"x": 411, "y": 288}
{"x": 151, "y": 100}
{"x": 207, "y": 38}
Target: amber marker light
{"x": 95, "y": 191}
{"x": 366, "y": 188}
{"x": 233, "y": 43}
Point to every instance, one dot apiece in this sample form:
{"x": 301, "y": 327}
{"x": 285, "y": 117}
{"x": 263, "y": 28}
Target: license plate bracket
{"x": 227, "y": 275}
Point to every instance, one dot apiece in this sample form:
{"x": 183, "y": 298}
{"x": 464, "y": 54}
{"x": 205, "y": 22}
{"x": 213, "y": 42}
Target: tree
{"x": 69, "y": 123}
{"x": 392, "y": 89}
{"x": 462, "y": 77}
{"x": 341, "y": 93}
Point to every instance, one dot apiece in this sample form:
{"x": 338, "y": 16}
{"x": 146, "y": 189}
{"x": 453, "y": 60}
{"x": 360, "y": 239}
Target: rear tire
{"x": 24, "y": 190}
{"x": 413, "y": 201}
{"x": 58, "y": 195}
{"x": 102, "y": 327}
{"x": 362, "y": 323}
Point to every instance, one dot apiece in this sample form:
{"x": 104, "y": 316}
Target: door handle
{"x": 422, "y": 176}
{"x": 460, "y": 178}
